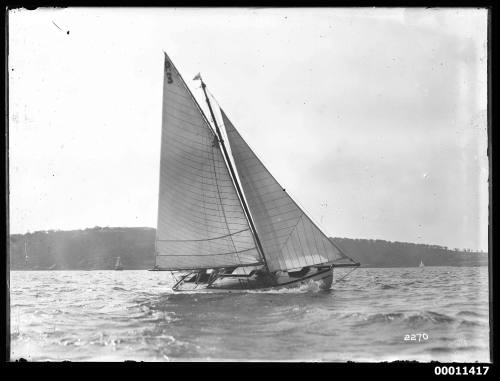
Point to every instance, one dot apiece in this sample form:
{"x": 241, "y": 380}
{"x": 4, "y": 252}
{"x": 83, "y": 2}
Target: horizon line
{"x": 153, "y": 228}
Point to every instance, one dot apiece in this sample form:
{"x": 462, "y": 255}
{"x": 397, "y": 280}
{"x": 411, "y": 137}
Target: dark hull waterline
{"x": 323, "y": 277}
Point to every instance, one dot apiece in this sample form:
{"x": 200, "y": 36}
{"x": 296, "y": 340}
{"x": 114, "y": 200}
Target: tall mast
{"x": 235, "y": 179}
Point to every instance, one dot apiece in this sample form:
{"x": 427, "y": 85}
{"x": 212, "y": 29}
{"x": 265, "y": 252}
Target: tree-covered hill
{"x": 89, "y": 249}
{"x": 97, "y": 249}
{"x": 379, "y": 253}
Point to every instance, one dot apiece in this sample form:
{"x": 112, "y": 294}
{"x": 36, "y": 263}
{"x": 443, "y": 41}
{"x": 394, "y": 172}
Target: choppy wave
{"x": 134, "y": 315}
{"x": 411, "y": 319}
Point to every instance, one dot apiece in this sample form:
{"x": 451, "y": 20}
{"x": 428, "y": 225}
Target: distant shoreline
{"x": 97, "y": 249}
{"x": 361, "y": 267}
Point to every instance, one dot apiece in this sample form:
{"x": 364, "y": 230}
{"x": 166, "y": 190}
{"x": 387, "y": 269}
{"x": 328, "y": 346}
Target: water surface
{"x": 134, "y": 315}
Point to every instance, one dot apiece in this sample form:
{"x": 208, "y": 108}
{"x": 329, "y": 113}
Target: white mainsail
{"x": 201, "y": 223}
{"x": 289, "y": 238}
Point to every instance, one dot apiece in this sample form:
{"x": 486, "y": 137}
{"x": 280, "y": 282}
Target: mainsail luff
{"x": 201, "y": 223}
{"x": 290, "y": 238}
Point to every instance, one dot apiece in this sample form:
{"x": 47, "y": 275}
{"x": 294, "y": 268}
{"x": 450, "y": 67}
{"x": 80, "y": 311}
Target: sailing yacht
{"x": 224, "y": 222}
{"x": 118, "y": 264}
{"x": 421, "y": 264}
{"x": 25, "y": 253}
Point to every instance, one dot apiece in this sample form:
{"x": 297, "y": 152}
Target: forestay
{"x": 201, "y": 223}
{"x": 289, "y": 238}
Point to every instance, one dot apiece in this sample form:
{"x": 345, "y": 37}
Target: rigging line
{"x": 206, "y": 213}
{"x": 289, "y": 235}
{"x": 302, "y": 257}
{"x": 310, "y": 239}
{"x": 304, "y": 238}
{"x": 338, "y": 280}
{"x": 172, "y": 274}
{"x": 314, "y": 235}
{"x": 342, "y": 251}
{"x": 222, "y": 206}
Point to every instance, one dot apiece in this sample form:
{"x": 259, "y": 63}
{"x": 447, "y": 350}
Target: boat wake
{"x": 310, "y": 286}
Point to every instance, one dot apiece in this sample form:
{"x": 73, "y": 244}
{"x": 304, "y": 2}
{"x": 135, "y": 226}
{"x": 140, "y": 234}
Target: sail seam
{"x": 198, "y": 194}
{"x": 289, "y": 235}
{"x": 211, "y": 267}
{"x": 183, "y": 121}
{"x": 206, "y": 239}
{"x": 205, "y": 255}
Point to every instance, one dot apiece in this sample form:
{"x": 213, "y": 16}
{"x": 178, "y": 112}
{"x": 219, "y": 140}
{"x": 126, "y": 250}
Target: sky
{"x": 373, "y": 119}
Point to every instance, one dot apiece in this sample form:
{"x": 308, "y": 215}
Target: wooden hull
{"x": 230, "y": 284}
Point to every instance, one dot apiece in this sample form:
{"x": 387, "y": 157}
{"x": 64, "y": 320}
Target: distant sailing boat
{"x": 421, "y": 263}
{"x": 118, "y": 264}
{"x": 221, "y": 230}
{"x": 25, "y": 253}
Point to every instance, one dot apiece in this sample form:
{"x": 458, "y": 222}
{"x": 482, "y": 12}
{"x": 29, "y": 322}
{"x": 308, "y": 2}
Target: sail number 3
{"x": 168, "y": 71}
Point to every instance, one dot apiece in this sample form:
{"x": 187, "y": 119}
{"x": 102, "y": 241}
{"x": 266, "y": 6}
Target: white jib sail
{"x": 201, "y": 223}
{"x": 289, "y": 237}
